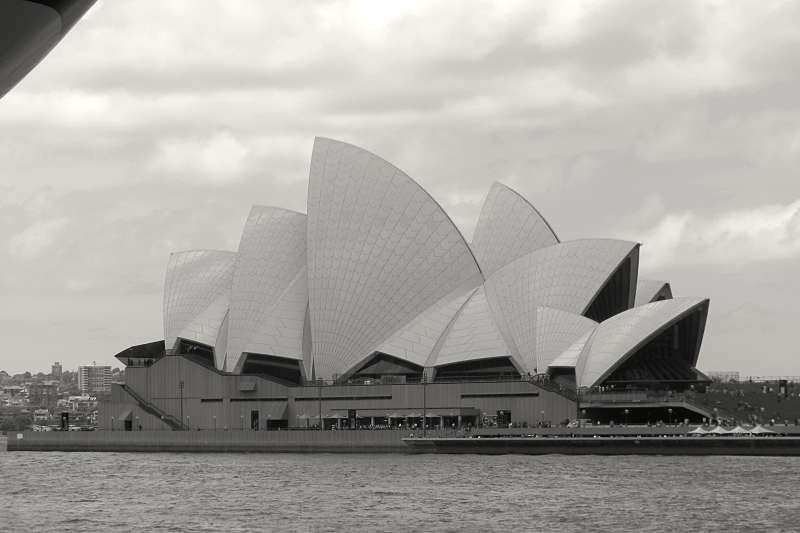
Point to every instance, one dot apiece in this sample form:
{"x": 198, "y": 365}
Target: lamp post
{"x": 215, "y": 422}
{"x": 670, "y": 415}
{"x": 180, "y": 386}
{"x": 424, "y": 406}
{"x": 188, "y": 422}
{"x": 112, "y": 423}
{"x": 319, "y": 404}
{"x": 541, "y": 417}
{"x": 626, "y": 416}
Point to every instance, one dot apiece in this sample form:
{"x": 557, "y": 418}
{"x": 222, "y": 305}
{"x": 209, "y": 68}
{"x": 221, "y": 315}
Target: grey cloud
{"x": 608, "y": 121}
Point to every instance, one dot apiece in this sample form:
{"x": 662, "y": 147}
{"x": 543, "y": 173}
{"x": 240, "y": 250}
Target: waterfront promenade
{"x": 595, "y": 439}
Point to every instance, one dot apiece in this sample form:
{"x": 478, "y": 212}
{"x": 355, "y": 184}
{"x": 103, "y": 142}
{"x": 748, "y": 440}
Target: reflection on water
{"x": 322, "y": 492}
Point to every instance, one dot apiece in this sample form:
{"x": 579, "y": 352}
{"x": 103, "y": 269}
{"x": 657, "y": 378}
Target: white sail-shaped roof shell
{"x": 196, "y": 295}
{"x": 566, "y": 276}
{"x": 380, "y": 252}
{"x": 649, "y": 290}
{"x": 569, "y": 357}
{"x": 617, "y": 338}
{"x": 556, "y": 330}
{"x": 417, "y": 340}
{"x": 473, "y": 335}
{"x": 508, "y": 227}
{"x": 269, "y": 291}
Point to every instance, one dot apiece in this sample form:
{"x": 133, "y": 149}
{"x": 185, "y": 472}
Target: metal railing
{"x": 758, "y": 379}
{"x": 635, "y": 396}
{"x": 148, "y": 407}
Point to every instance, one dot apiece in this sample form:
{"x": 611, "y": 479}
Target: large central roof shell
{"x": 380, "y": 252}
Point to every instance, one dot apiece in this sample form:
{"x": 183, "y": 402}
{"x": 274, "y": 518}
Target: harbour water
{"x": 334, "y": 492}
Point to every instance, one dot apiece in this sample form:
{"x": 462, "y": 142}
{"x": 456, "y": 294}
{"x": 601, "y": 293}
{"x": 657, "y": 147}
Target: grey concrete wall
{"x": 160, "y": 384}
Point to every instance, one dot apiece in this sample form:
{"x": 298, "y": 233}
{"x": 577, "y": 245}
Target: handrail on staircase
{"x": 167, "y": 418}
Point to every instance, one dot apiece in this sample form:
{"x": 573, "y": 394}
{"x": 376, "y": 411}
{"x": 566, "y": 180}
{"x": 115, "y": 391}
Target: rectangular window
{"x": 259, "y": 399}
{"x": 500, "y": 395}
{"x": 348, "y": 398}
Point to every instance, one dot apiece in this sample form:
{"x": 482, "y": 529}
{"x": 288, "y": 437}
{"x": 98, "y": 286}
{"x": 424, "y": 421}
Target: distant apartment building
{"x": 43, "y": 394}
{"x": 94, "y": 379}
{"x": 56, "y": 370}
{"x": 723, "y": 376}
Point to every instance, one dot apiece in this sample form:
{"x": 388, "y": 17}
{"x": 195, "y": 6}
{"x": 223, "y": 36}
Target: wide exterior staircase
{"x": 173, "y": 422}
{"x": 543, "y": 381}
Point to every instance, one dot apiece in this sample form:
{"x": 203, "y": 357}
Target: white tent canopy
{"x": 698, "y": 431}
{"x": 761, "y": 430}
{"x": 719, "y": 430}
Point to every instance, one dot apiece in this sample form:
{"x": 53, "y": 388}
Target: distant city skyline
{"x": 671, "y": 125}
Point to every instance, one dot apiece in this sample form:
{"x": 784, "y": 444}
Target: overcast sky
{"x": 154, "y": 126}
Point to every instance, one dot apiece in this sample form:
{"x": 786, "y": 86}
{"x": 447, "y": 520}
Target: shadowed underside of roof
{"x": 29, "y": 30}
{"x": 676, "y": 327}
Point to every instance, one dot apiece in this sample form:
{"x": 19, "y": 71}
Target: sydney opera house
{"x": 372, "y": 309}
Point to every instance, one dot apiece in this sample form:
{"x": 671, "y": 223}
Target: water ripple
{"x": 288, "y": 492}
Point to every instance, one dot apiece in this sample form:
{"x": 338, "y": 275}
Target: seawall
{"x": 381, "y": 441}
{"x": 591, "y": 440}
{"x": 211, "y": 441}
{"x": 661, "y": 445}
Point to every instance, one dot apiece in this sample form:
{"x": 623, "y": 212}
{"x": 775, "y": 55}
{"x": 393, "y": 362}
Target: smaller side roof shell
{"x": 649, "y": 290}
{"x": 567, "y": 276}
{"x": 269, "y": 292}
{"x": 619, "y": 337}
{"x": 197, "y": 295}
{"x": 556, "y": 330}
{"x": 569, "y": 357}
{"x": 416, "y": 341}
{"x": 508, "y": 227}
{"x": 473, "y": 335}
